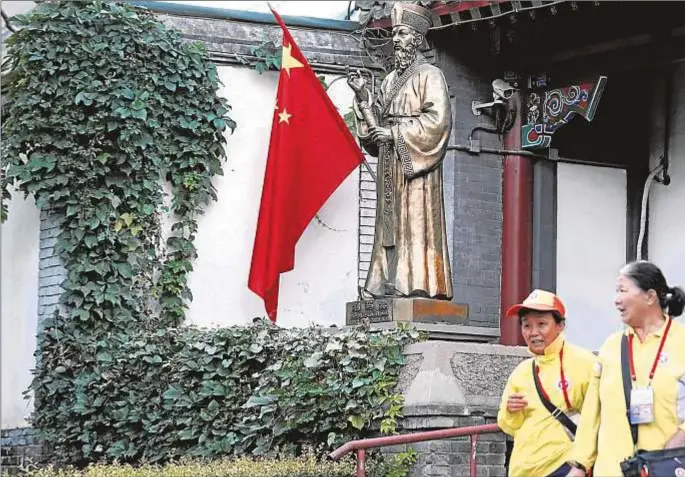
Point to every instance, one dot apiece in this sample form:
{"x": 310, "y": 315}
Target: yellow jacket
{"x": 604, "y": 433}
{"x": 541, "y": 445}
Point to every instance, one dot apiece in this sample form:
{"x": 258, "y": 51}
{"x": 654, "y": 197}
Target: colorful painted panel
{"x": 544, "y": 116}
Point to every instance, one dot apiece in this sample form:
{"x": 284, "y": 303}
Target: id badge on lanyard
{"x": 642, "y": 405}
{"x": 642, "y": 399}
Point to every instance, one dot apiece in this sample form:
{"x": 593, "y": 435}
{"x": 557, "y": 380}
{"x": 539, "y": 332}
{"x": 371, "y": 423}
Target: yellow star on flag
{"x": 287, "y": 61}
{"x": 284, "y": 117}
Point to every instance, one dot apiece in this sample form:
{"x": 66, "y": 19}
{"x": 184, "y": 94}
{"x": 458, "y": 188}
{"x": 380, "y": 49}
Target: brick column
{"x": 51, "y": 272}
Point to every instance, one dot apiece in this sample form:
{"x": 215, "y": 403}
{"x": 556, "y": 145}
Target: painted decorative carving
{"x": 544, "y": 116}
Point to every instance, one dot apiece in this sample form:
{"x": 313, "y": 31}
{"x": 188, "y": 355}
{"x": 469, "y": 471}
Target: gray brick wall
{"x": 20, "y": 450}
{"x": 51, "y": 272}
{"x": 451, "y": 457}
{"x": 473, "y": 197}
{"x": 477, "y": 235}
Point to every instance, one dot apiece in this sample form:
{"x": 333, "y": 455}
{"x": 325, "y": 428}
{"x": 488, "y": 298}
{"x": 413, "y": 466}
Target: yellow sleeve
{"x": 585, "y": 443}
{"x": 507, "y": 421}
{"x": 589, "y": 363}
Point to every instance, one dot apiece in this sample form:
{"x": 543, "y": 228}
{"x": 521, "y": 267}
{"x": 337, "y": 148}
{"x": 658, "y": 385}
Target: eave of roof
{"x": 469, "y": 11}
{"x": 245, "y": 16}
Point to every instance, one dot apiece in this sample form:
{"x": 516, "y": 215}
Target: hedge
{"x": 207, "y": 393}
{"x": 305, "y": 466}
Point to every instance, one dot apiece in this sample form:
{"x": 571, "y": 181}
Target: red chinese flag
{"x": 310, "y": 154}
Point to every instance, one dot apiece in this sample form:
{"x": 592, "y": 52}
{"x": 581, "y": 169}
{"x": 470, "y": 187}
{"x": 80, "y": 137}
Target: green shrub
{"x": 235, "y": 391}
{"x": 305, "y": 466}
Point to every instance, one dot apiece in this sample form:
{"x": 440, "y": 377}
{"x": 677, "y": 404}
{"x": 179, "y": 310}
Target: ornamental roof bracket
{"x": 547, "y": 111}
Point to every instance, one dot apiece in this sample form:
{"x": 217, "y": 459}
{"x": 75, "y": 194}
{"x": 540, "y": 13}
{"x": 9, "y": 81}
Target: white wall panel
{"x": 591, "y": 248}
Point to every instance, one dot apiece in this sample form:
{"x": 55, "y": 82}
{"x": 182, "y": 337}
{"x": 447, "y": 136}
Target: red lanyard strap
{"x": 656, "y": 359}
{"x": 564, "y": 383}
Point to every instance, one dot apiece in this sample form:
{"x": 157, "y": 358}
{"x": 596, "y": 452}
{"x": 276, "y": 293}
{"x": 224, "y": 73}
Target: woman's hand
{"x": 676, "y": 440}
{"x": 516, "y": 402}
{"x": 576, "y": 472}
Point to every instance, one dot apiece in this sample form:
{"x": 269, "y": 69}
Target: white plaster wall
{"x": 666, "y": 216}
{"x": 19, "y": 241}
{"x": 19, "y": 245}
{"x": 324, "y": 278}
{"x": 17, "y": 7}
{"x": 591, "y": 249}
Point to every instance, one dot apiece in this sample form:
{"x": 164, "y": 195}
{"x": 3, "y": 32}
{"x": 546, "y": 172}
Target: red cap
{"x": 540, "y": 300}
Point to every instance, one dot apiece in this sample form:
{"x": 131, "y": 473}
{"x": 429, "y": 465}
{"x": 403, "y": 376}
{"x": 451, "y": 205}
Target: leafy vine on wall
{"x": 104, "y": 104}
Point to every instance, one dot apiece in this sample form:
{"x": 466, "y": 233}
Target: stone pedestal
{"x": 446, "y": 385}
{"x": 460, "y": 377}
{"x": 440, "y": 319}
{"x": 417, "y": 310}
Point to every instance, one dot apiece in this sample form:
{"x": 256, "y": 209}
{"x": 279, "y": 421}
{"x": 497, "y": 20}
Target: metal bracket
{"x": 477, "y": 106}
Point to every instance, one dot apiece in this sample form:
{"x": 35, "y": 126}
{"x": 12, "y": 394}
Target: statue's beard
{"x": 404, "y": 56}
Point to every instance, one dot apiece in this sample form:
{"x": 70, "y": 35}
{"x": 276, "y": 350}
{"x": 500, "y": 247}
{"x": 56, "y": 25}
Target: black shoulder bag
{"x": 556, "y": 413}
{"x": 653, "y": 463}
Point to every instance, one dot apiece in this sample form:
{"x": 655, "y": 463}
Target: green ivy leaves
{"x": 268, "y": 56}
{"x": 235, "y": 391}
{"x": 239, "y": 391}
{"x": 91, "y": 128}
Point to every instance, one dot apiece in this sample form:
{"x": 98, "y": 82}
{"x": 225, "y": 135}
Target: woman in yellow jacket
{"x": 541, "y": 443}
{"x": 656, "y": 364}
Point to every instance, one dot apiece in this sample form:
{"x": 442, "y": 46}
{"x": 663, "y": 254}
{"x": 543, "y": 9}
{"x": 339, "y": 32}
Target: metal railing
{"x": 360, "y": 446}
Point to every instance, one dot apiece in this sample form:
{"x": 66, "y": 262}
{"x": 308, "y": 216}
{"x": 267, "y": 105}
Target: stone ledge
{"x": 226, "y": 40}
{"x": 450, "y": 333}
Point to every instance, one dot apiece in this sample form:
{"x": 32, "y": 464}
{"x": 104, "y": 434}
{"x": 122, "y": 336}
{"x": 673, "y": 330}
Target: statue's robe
{"x": 410, "y": 253}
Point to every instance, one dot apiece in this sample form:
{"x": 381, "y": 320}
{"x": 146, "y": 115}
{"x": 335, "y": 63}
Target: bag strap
{"x": 627, "y": 385}
{"x": 556, "y": 413}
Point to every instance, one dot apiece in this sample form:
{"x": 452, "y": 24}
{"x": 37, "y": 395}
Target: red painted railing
{"x": 361, "y": 445}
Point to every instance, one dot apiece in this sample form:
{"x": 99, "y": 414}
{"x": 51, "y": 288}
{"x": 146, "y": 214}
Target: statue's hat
{"x": 411, "y": 15}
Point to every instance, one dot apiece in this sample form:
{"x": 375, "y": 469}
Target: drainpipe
{"x": 517, "y": 229}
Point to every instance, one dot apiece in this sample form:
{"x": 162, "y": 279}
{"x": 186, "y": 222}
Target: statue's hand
{"x": 356, "y": 81}
{"x": 379, "y": 134}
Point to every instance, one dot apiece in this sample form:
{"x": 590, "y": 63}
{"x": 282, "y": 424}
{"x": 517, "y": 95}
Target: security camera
{"x": 501, "y": 92}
